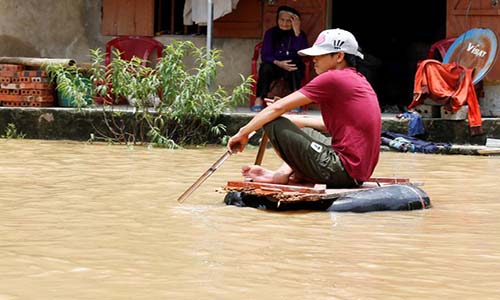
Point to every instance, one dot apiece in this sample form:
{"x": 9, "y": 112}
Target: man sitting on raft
{"x": 350, "y": 114}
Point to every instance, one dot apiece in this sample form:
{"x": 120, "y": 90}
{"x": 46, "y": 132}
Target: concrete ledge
{"x": 448, "y": 131}
{"x": 459, "y": 150}
{"x": 51, "y": 123}
{"x": 437, "y": 130}
{"x": 57, "y": 123}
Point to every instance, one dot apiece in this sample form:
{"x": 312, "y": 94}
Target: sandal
{"x": 256, "y": 108}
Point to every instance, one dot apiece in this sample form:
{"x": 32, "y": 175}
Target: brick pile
{"x": 20, "y": 86}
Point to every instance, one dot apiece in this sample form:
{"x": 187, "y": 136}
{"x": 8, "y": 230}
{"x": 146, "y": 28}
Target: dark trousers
{"x": 309, "y": 153}
{"x": 269, "y": 72}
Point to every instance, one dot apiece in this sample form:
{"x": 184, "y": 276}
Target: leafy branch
{"x": 174, "y": 105}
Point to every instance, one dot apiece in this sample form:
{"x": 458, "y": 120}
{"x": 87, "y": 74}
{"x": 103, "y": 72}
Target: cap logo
{"x": 337, "y": 44}
{"x": 320, "y": 40}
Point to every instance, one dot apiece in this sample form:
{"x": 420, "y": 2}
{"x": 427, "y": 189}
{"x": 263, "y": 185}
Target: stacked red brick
{"x": 23, "y": 87}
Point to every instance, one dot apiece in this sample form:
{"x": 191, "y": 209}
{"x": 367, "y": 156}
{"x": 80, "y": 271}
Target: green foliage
{"x": 174, "y": 105}
{"x": 98, "y": 72}
{"x": 11, "y": 132}
{"x": 71, "y": 83}
{"x": 188, "y": 97}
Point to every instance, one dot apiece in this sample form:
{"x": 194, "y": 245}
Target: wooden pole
{"x": 262, "y": 149}
{"x": 204, "y": 177}
{"x": 207, "y": 174}
{"x": 36, "y": 61}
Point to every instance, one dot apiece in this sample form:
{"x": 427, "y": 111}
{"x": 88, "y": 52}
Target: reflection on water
{"x": 93, "y": 222}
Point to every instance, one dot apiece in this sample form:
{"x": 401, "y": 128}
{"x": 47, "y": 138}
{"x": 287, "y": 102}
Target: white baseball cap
{"x": 332, "y": 41}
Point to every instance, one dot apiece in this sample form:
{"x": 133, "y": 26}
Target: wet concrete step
{"x": 58, "y": 123}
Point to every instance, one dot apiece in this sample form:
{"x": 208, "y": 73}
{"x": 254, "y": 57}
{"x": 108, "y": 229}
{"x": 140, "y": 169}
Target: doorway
{"x": 392, "y": 43}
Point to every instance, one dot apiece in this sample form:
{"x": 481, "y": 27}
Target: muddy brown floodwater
{"x": 80, "y": 221}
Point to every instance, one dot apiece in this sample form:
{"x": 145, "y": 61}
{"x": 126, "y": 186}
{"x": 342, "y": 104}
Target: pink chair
{"x": 130, "y": 46}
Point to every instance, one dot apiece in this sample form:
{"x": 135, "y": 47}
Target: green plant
{"x": 188, "y": 97}
{"x": 11, "y": 132}
{"x": 71, "y": 83}
{"x": 174, "y": 105}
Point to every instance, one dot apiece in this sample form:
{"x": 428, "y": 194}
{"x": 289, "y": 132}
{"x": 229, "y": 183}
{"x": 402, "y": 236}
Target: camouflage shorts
{"x": 308, "y": 152}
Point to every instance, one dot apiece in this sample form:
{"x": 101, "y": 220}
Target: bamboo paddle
{"x": 207, "y": 174}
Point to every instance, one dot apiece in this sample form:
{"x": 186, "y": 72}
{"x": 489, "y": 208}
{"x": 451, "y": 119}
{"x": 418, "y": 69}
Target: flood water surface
{"x": 80, "y": 221}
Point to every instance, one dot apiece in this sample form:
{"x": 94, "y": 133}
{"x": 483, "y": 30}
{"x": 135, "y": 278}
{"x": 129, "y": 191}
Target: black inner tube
{"x": 396, "y": 197}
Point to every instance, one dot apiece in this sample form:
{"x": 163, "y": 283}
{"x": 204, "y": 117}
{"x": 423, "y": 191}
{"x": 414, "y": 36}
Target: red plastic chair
{"x": 440, "y": 47}
{"x": 130, "y": 46}
{"x": 255, "y": 74}
{"x": 146, "y": 48}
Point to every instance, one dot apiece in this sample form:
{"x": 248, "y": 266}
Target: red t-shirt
{"x": 351, "y": 112}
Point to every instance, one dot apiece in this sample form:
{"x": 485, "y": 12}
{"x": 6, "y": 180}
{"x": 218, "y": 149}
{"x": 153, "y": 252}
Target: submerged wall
{"x": 57, "y": 123}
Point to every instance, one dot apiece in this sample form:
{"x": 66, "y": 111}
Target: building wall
{"x": 236, "y": 56}
{"x": 69, "y": 28}
{"x": 46, "y": 28}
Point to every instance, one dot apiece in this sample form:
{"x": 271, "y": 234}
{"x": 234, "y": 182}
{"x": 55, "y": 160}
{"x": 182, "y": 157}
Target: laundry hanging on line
{"x": 196, "y": 11}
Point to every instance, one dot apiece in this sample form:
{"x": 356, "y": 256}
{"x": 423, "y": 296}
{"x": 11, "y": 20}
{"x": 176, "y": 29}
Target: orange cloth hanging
{"x": 449, "y": 84}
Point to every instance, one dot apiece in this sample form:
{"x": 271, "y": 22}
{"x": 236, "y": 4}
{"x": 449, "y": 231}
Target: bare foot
{"x": 297, "y": 178}
{"x": 260, "y": 174}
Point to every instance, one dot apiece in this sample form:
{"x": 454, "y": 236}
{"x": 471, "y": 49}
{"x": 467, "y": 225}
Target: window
{"x": 158, "y": 17}
{"x": 169, "y": 19}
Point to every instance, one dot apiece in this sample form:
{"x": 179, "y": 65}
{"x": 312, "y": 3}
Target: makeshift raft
{"x": 377, "y": 194}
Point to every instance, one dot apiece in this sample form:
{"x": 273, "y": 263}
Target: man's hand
{"x": 238, "y": 142}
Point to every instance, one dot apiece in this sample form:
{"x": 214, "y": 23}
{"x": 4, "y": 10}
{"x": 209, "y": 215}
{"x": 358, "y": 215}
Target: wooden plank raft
{"x": 292, "y": 193}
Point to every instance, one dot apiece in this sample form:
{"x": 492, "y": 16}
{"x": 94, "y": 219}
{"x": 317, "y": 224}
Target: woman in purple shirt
{"x": 279, "y": 54}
